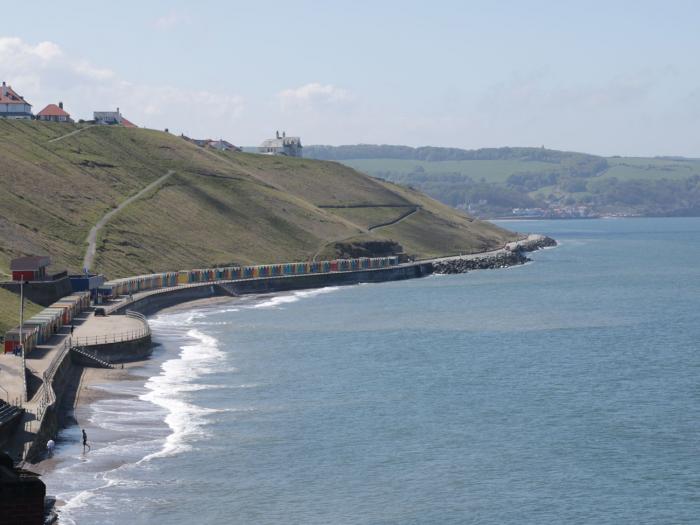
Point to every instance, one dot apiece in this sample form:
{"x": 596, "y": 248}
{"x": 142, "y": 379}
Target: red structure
{"x": 54, "y": 113}
{"x": 30, "y": 268}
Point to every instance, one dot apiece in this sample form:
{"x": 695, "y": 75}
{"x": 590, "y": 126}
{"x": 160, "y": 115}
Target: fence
{"x": 121, "y": 337}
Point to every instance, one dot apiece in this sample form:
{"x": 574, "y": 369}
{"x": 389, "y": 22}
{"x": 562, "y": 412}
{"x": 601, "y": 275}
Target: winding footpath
{"x": 70, "y": 134}
{"x": 92, "y": 236}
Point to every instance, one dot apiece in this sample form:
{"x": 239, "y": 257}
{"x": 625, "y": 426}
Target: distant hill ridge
{"x": 433, "y": 154}
{"x": 509, "y": 181}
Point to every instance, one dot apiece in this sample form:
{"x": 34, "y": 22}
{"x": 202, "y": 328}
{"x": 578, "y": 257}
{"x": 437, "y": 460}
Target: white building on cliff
{"x": 282, "y": 145}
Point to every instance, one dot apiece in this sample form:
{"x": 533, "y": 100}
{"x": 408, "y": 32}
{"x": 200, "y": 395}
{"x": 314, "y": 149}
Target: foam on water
{"x": 184, "y": 418}
{"x": 279, "y": 300}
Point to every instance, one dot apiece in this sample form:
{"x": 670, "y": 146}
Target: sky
{"x": 611, "y": 78}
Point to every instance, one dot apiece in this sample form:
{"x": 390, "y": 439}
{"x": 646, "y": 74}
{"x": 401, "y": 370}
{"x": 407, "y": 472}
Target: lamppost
{"x": 21, "y": 340}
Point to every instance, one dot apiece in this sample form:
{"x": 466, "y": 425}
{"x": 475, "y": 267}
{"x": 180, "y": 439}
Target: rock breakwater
{"x": 501, "y": 259}
{"x": 512, "y": 255}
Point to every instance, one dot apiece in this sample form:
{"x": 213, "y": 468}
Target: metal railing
{"x": 121, "y": 337}
{"x": 93, "y": 356}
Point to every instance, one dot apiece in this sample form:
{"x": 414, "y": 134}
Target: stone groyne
{"x": 512, "y": 255}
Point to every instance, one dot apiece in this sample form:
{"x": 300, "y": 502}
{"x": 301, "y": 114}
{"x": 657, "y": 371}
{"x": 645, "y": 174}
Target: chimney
{"x": 4, "y": 89}
{"x": 277, "y": 133}
{"x": 60, "y": 105}
{"x": 284, "y": 134}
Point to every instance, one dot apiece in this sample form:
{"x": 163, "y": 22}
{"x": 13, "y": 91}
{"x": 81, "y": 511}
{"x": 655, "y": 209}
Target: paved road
{"x": 92, "y": 236}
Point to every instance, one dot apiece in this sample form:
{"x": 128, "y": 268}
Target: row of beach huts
{"x": 139, "y": 283}
{"x": 41, "y": 327}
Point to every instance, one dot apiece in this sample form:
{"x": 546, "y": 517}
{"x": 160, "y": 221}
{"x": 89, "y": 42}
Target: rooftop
{"x": 52, "y": 110}
{"x": 30, "y": 262}
{"x": 10, "y": 96}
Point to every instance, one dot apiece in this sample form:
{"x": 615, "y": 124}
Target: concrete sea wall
{"x": 157, "y": 301}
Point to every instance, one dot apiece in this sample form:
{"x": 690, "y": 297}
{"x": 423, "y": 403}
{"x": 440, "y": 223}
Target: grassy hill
{"x": 217, "y": 208}
{"x": 9, "y": 310}
{"x": 493, "y": 181}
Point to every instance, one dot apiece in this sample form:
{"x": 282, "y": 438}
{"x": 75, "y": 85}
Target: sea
{"x": 566, "y": 390}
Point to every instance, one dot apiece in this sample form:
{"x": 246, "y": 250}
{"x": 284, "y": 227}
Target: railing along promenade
{"x": 117, "y": 337}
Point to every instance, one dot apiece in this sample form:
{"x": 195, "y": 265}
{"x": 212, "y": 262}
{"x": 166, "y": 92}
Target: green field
{"x": 495, "y": 171}
{"x": 637, "y": 168}
{"x": 495, "y": 181}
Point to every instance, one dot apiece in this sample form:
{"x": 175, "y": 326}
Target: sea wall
{"x": 65, "y": 383}
{"x": 157, "y": 301}
{"x": 118, "y": 352}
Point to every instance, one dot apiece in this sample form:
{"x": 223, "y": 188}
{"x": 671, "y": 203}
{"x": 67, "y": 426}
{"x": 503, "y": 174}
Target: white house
{"x": 13, "y": 105}
{"x": 282, "y": 145}
{"x": 107, "y": 117}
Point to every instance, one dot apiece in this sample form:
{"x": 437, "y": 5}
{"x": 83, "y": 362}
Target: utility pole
{"x": 21, "y": 341}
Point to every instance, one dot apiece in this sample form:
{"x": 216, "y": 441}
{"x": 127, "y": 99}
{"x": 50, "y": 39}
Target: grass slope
{"x": 217, "y": 208}
{"x": 9, "y": 310}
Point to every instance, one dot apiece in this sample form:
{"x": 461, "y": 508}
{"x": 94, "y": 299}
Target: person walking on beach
{"x": 85, "y": 443}
{"x": 50, "y": 444}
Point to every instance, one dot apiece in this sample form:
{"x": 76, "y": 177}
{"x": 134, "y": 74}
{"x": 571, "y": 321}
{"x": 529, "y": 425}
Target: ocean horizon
{"x": 561, "y": 391}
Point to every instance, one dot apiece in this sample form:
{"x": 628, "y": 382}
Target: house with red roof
{"x": 54, "y": 113}
{"x": 13, "y": 105}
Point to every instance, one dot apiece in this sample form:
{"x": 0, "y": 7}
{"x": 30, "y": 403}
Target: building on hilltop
{"x": 54, "y": 113}
{"x": 13, "y": 105}
{"x": 112, "y": 118}
{"x": 221, "y": 144}
{"x": 282, "y": 145}
{"x": 107, "y": 117}
{"x": 127, "y": 123}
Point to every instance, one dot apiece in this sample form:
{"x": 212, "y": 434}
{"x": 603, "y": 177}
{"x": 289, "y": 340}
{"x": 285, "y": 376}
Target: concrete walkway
{"x": 534, "y": 237}
{"x": 92, "y": 236}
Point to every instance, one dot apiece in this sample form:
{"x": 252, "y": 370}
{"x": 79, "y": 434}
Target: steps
{"x": 92, "y": 358}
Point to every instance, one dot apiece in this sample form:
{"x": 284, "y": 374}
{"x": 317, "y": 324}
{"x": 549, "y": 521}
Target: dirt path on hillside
{"x": 92, "y": 236}
{"x": 70, "y": 134}
{"x": 395, "y": 221}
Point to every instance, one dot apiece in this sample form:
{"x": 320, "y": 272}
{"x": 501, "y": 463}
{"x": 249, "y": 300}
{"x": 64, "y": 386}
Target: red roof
{"x": 127, "y": 124}
{"x": 52, "y": 110}
{"x": 11, "y": 97}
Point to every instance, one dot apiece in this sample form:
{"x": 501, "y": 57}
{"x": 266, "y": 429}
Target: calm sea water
{"x": 563, "y": 391}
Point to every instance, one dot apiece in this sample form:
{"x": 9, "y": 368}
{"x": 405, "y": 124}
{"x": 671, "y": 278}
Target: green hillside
{"x": 493, "y": 181}
{"x": 217, "y": 208}
{"x": 9, "y": 310}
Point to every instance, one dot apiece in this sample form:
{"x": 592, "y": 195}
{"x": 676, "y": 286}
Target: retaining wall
{"x": 119, "y": 352}
{"x": 157, "y": 301}
{"x": 44, "y": 293}
{"x": 65, "y": 383}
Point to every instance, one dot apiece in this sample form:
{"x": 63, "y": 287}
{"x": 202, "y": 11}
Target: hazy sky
{"x": 601, "y": 77}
